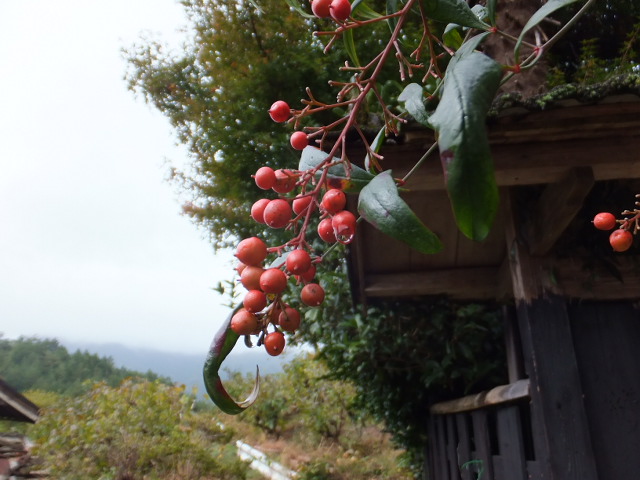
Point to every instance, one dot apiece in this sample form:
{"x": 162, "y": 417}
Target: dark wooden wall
{"x": 606, "y": 338}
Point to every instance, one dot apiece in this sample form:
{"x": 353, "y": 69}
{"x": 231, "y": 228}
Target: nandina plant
{"x": 448, "y": 87}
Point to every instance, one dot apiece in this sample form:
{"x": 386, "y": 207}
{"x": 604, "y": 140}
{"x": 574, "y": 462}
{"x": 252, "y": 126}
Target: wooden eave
{"x": 567, "y": 149}
{"x": 14, "y": 406}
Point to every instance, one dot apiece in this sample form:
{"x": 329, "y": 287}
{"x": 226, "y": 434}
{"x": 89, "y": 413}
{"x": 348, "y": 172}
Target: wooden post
{"x": 562, "y": 441}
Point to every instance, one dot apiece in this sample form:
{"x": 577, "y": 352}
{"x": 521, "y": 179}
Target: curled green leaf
{"x": 222, "y": 344}
{"x": 380, "y": 204}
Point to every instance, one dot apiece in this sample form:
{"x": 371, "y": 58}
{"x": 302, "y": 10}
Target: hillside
{"x": 181, "y": 367}
{"x": 44, "y": 364}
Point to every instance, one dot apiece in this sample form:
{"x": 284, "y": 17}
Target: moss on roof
{"x": 588, "y": 93}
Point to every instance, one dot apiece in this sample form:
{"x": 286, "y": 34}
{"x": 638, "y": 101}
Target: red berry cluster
{"x": 621, "y": 238}
{"x": 263, "y": 305}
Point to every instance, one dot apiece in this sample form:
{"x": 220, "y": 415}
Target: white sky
{"x": 92, "y": 245}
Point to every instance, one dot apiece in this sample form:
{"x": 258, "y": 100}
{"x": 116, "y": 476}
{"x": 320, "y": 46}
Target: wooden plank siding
{"x": 606, "y": 338}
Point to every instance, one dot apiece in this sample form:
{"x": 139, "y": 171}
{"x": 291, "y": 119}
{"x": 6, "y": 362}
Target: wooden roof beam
{"x": 556, "y": 207}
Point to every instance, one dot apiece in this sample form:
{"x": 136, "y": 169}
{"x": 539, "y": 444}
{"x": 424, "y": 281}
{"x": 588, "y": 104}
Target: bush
{"x": 140, "y": 429}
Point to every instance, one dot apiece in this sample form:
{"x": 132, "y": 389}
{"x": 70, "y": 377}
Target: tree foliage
{"x": 216, "y": 93}
{"x": 139, "y": 429}
{"x": 44, "y": 364}
{"x": 307, "y": 406}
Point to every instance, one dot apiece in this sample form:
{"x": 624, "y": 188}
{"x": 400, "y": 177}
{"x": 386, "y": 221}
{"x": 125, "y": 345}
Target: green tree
{"x": 216, "y": 93}
{"x": 44, "y": 364}
{"x": 140, "y": 429}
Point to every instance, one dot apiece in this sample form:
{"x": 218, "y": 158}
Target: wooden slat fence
{"x": 483, "y": 437}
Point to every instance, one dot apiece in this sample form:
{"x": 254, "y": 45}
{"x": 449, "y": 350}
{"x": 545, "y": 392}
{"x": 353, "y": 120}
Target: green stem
{"x": 421, "y": 161}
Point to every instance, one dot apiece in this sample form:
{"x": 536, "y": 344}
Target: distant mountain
{"x": 181, "y": 367}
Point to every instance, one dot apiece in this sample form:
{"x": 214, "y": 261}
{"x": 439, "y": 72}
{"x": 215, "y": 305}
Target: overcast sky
{"x": 92, "y": 244}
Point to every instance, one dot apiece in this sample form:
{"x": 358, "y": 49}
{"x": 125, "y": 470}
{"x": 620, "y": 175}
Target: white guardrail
{"x": 261, "y": 463}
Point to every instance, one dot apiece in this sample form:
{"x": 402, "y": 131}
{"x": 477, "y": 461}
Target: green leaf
{"x": 467, "y": 48}
{"x": 480, "y": 11}
{"x": 491, "y": 11}
{"x": 222, "y": 344}
{"x": 363, "y": 11}
{"x": 392, "y": 7}
{"x": 337, "y": 177}
{"x": 413, "y": 98}
{"x": 350, "y": 46}
{"x": 469, "y": 88}
{"x": 380, "y": 204}
{"x": 452, "y": 11}
{"x": 451, "y": 36}
{"x": 544, "y": 11}
{"x": 295, "y": 4}
{"x": 376, "y": 145}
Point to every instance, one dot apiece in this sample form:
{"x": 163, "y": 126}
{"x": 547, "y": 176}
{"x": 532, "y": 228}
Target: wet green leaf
{"x": 222, "y": 344}
{"x": 380, "y": 205}
{"x": 470, "y": 86}
{"x": 337, "y": 177}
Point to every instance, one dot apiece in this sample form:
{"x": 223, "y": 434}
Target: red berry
{"x": 274, "y": 313}
{"x": 273, "y": 280}
{"x": 333, "y": 201}
{"x": 265, "y": 178}
{"x": 289, "y": 319}
{"x": 312, "y": 294}
{"x": 299, "y": 140}
{"x": 320, "y": 8}
{"x": 251, "y": 251}
{"x": 325, "y": 230}
{"x": 604, "y": 221}
{"x": 240, "y": 267}
{"x": 344, "y": 226}
{"x": 257, "y": 209}
{"x": 298, "y": 262}
{"x": 300, "y": 204}
{"x": 277, "y": 213}
{"x": 274, "y": 343}
{"x": 285, "y": 181}
{"x": 250, "y": 277}
{"x": 307, "y": 276}
{"x": 340, "y": 10}
{"x": 244, "y": 323}
{"x": 254, "y": 301}
{"x": 621, "y": 240}
{"x": 280, "y": 111}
